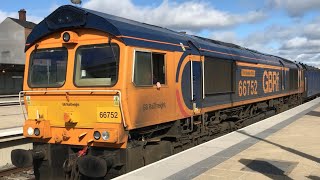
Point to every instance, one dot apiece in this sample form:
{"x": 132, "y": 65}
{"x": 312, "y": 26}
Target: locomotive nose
{"x": 24, "y": 158}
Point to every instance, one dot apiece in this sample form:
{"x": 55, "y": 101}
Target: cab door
{"x": 196, "y": 85}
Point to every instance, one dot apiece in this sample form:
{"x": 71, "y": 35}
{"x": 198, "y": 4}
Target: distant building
{"x": 13, "y": 35}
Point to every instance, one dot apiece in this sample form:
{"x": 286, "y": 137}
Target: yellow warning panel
{"x": 37, "y": 112}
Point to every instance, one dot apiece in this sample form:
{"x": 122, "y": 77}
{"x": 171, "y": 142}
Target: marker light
{"x": 30, "y": 131}
{"x": 96, "y": 135}
{"x": 105, "y": 135}
{"x": 36, "y": 131}
{"x": 66, "y": 37}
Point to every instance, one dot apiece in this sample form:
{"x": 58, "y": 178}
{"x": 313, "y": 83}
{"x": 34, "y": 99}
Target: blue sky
{"x": 287, "y": 28}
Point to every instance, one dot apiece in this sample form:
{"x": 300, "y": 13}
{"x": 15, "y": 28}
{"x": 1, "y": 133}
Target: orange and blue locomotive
{"x": 105, "y": 95}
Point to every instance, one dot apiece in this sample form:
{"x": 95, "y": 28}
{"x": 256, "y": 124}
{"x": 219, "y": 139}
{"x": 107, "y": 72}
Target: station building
{"x": 13, "y": 35}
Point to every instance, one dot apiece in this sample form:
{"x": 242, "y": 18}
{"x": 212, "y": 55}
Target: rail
{"x": 14, "y": 170}
{"x": 9, "y": 100}
{"x": 14, "y": 131}
{"x": 9, "y": 96}
{"x": 9, "y": 103}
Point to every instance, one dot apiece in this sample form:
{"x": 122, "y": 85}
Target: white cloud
{"x": 297, "y": 7}
{"x": 310, "y": 59}
{"x": 289, "y": 42}
{"x": 35, "y": 19}
{"x": 226, "y": 36}
{"x": 191, "y": 15}
{"x": 296, "y": 42}
{"x": 312, "y": 30}
{"x": 4, "y": 15}
{"x": 303, "y": 44}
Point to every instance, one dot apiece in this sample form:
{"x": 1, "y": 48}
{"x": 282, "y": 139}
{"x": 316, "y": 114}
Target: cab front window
{"x": 97, "y": 65}
{"x": 48, "y": 67}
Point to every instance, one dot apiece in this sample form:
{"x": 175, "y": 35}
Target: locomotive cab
{"x": 73, "y": 97}
{"x": 77, "y": 76}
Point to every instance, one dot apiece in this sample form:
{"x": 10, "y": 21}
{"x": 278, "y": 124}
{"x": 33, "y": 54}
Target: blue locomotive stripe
{"x": 184, "y": 55}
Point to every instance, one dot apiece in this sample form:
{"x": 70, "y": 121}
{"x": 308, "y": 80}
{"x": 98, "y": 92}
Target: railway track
{"x": 12, "y": 138}
{"x": 10, "y": 103}
{"x": 16, "y": 173}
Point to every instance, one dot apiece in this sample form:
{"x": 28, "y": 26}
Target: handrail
{"x": 82, "y": 90}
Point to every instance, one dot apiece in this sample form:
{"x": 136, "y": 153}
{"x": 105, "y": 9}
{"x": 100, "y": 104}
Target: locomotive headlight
{"x": 69, "y": 37}
{"x": 30, "y": 131}
{"x": 96, "y": 135}
{"x": 36, "y": 131}
{"x": 66, "y": 37}
{"x": 105, "y": 135}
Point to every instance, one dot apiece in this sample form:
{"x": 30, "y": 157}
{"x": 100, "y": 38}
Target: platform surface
{"x": 285, "y": 146}
{"x": 11, "y": 117}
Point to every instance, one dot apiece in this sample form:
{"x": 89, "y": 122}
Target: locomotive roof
{"x": 145, "y": 35}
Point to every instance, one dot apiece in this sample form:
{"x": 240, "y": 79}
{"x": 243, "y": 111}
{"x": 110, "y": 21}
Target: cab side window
{"x": 149, "y": 68}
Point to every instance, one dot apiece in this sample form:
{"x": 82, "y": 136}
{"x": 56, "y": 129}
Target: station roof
{"x": 139, "y": 34}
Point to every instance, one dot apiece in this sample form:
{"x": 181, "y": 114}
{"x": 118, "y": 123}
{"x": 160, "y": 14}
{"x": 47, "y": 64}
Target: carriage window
{"x": 217, "y": 76}
{"x": 149, "y": 68}
{"x": 97, "y": 65}
{"x": 48, "y": 67}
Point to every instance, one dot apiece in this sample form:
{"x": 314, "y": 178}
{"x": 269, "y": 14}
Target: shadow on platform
{"x": 299, "y": 153}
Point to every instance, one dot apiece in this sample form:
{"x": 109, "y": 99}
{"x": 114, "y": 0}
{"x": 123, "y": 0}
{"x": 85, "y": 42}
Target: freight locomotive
{"x": 106, "y": 95}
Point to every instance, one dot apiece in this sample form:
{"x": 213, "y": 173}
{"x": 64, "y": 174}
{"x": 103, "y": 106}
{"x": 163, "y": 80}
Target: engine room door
{"x": 196, "y": 82}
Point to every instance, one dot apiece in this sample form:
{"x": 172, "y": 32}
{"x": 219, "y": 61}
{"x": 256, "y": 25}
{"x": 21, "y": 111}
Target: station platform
{"x": 284, "y": 146}
{"x": 11, "y": 122}
{"x": 11, "y": 117}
